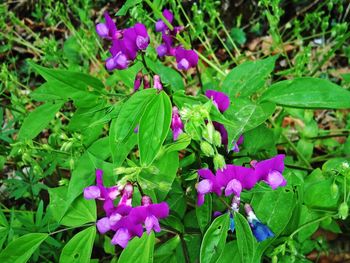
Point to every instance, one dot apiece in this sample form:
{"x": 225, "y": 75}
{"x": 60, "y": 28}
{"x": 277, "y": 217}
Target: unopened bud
{"x": 207, "y": 149}
{"x": 120, "y": 170}
{"x": 219, "y": 161}
{"x": 211, "y": 130}
{"x": 217, "y": 138}
{"x": 334, "y": 190}
{"x": 157, "y": 84}
{"x": 343, "y": 211}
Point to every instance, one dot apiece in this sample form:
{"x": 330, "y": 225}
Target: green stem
{"x": 308, "y": 224}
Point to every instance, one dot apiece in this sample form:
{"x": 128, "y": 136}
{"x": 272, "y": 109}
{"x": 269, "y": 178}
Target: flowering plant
{"x": 174, "y": 158}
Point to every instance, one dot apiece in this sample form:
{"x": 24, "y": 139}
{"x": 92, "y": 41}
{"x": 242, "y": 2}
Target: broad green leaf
{"x": 245, "y": 116}
{"x": 176, "y": 199}
{"x": 230, "y": 254}
{"x": 274, "y": 208}
{"x": 21, "y": 249}
{"x": 161, "y": 180}
{"x": 203, "y": 213}
{"x": 308, "y": 92}
{"x": 245, "y": 239}
{"x": 76, "y": 80}
{"x": 55, "y": 89}
{"x": 248, "y": 77}
{"x": 154, "y": 127}
{"x": 319, "y": 194}
{"x": 80, "y": 212}
{"x": 214, "y": 240}
{"x": 131, "y": 113}
{"x": 38, "y": 119}
{"x": 139, "y": 250}
{"x": 307, "y": 216}
{"x": 79, "y": 248}
{"x": 167, "y": 249}
{"x": 128, "y": 4}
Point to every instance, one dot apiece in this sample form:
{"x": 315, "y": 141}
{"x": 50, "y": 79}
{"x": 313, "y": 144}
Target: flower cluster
{"x": 233, "y": 179}
{"x": 185, "y": 58}
{"x": 124, "y": 219}
{"x": 125, "y": 43}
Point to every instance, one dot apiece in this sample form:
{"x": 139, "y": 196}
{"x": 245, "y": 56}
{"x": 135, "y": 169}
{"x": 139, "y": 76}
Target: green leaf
{"x": 55, "y": 89}
{"x": 274, "y": 208}
{"x": 79, "y": 248}
{"x": 154, "y": 127}
{"x": 248, "y": 77}
{"x": 181, "y": 143}
{"x": 139, "y": 250}
{"x": 80, "y": 212}
{"x": 131, "y": 113}
{"x": 214, "y": 240}
{"x": 319, "y": 194}
{"x": 38, "y": 119}
{"x": 245, "y": 116}
{"x": 203, "y": 213}
{"x": 230, "y": 254}
{"x": 128, "y": 4}
{"x": 21, "y": 249}
{"x": 167, "y": 249}
{"x": 308, "y": 93}
{"x": 245, "y": 239}
{"x": 76, "y": 80}
{"x": 161, "y": 180}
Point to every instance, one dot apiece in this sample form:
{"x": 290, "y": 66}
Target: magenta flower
{"x": 176, "y": 123}
{"x": 99, "y": 191}
{"x": 157, "y": 84}
{"x": 270, "y": 171}
{"x": 138, "y": 81}
{"x": 160, "y": 25}
{"x": 108, "y": 29}
{"x": 220, "y": 99}
{"x": 236, "y": 178}
{"x": 125, "y": 43}
{"x": 185, "y": 58}
{"x": 238, "y": 143}
{"x": 149, "y": 214}
{"x": 210, "y": 184}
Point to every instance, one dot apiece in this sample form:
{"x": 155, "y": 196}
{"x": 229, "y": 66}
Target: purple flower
{"x": 260, "y": 231}
{"x": 138, "y": 81}
{"x": 237, "y": 144}
{"x": 160, "y": 25}
{"x": 185, "y": 58}
{"x": 270, "y": 171}
{"x": 166, "y": 49}
{"x": 108, "y": 29}
{"x": 220, "y": 99}
{"x": 157, "y": 84}
{"x": 136, "y": 37}
{"x": 107, "y": 194}
{"x": 125, "y": 230}
{"x": 236, "y": 178}
{"x": 149, "y": 214}
{"x": 176, "y": 123}
{"x": 210, "y": 184}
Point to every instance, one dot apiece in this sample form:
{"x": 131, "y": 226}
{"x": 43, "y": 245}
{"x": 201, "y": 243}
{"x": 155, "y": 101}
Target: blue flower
{"x": 261, "y": 231}
{"x": 232, "y": 224}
